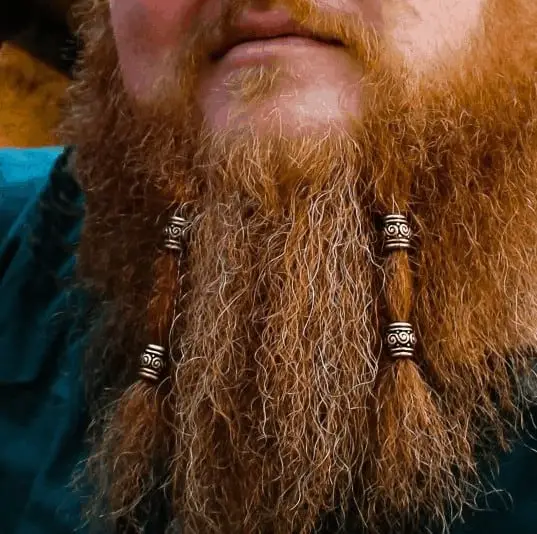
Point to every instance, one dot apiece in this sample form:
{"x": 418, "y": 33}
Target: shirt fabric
{"x": 43, "y": 415}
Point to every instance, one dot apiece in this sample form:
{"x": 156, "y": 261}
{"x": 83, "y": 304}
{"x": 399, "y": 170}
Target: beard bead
{"x": 400, "y": 340}
{"x": 152, "y": 360}
{"x": 176, "y": 231}
{"x": 397, "y": 232}
{"x": 152, "y": 363}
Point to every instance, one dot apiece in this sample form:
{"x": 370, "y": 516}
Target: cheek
{"x": 425, "y": 31}
{"x": 151, "y": 23}
{"x": 145, "y": 32}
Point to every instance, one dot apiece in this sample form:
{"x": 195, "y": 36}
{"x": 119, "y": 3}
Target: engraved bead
{"x": 175, "y": 233}
{"x": 152, "y": 363}
{"x": 400, "y": 340}
{"x": 397, "y": 232}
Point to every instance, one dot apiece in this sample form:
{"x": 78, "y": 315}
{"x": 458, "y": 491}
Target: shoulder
{"x": 23, "y": 175}
{"x": 42, "y": 338}
{"x": 41, "y": 212}
{"x": 510, "y": 502}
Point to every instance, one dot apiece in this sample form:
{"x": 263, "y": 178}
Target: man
{"x": 315, "y": 222}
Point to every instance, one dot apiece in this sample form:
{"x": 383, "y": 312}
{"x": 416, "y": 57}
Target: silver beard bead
{"x": 175, "y": 233}
{"x": 397, "y": 232}
{"x": 152, "y": 363}
{"x": 400, "y": 340}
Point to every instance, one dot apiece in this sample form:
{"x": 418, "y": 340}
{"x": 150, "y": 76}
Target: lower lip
{"x": 254, "y": 52}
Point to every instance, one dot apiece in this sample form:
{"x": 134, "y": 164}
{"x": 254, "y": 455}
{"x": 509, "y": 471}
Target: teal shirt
{"x": 42, "y": 417}
{"x": 42, "y": 411}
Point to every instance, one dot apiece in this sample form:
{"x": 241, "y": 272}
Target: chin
{"x": 272, "y": 102}
{"x": 272, "y": 120}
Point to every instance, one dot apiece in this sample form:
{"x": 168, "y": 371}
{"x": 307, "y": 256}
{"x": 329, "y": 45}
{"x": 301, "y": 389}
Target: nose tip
{"x": 255, "y": 16}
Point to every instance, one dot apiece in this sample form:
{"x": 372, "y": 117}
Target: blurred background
{"x": 37, "y": 52}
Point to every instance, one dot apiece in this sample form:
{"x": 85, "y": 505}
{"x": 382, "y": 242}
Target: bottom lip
{"x": 262, "y": 48}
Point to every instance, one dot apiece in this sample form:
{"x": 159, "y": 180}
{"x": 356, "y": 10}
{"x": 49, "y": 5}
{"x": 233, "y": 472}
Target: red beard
{"x": 281, "y": 405}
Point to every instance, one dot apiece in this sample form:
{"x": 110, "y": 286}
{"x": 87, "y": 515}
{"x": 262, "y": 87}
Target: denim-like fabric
{"x": 42, "y": 417}
{"x": 512, "y": 509}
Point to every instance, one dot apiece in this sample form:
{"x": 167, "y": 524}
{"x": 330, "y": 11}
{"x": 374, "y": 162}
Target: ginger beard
{"x": 281, "y": 405}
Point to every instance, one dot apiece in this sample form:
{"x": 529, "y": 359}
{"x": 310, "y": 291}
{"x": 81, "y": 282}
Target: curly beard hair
{"x": 281, "y": 406}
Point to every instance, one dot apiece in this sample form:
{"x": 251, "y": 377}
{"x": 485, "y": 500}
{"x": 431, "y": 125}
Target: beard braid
{"x": 281, "y": 405}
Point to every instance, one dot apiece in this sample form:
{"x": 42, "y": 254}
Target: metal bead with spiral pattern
{"x": 400, "y": 340}
{"x": 152, "y": 363}
{"x": 175, "y": 233}
{"x": 397, "y": 232}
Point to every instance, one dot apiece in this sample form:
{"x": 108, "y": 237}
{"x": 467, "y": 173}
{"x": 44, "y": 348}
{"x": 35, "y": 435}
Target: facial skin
{"x": 310, "y": 84}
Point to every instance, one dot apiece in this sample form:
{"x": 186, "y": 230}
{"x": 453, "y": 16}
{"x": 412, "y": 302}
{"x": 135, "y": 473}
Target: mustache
{"x": 210, "y": 39}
